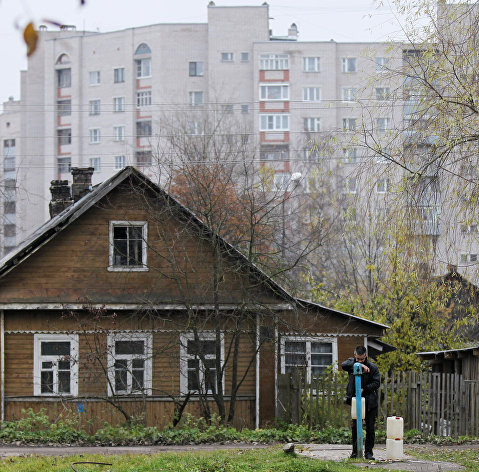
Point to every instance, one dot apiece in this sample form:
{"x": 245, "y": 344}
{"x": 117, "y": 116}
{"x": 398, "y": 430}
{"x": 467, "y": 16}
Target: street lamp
{"x": 294, "y": 181}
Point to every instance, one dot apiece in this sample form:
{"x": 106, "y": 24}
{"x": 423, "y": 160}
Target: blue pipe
{"x": 357, "y": 371}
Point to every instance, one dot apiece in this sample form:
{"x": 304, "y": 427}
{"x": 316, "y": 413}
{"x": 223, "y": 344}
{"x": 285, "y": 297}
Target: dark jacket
{"x": 370, "y": 383}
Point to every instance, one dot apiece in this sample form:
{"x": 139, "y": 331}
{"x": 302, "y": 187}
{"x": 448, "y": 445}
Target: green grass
{"x": 469, "y": 458}
{"x": 260, "y": 460}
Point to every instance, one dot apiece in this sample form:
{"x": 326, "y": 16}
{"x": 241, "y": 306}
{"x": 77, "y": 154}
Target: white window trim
{"x": 141, "y": 59}
{"x": 316, "y": 94}
{"x": 274, "y": 128}
{"x": 203, "y": 336}
{"x": 124, "y": 161}
{"x": 310, "y": 339}
{"x": 124, "y": 74}
{"x": 317, "y": 63}
{"x": 386, "y": 186}
{"x": 283, "y": 87}
{"x": 91, "y": 136}
{"x": 345, "y": 62}
{"x": 115, "y": 138}
{"x": 98, "y": 75}
{"x": 37, "y": 360}
{"x": 122, "y": 107}
{"x": 129, "y": 336}
{"x": 144, "y": 268}
{"x": 90, "y": 102}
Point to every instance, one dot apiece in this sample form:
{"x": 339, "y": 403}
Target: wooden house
{"x": 119, "y": 307}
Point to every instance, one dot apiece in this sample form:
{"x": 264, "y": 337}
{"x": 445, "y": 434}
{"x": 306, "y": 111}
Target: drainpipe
{"x": 2, "y": 360}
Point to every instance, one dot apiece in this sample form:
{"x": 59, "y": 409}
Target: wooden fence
{"x": 434, "y": 403}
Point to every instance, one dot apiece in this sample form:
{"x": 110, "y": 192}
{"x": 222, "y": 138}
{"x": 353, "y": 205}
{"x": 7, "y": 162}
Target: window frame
{"x": 348, "y": 122}
{"x": 264, "y": 92}
{"x": 350, "y": 155}
{"x": 147, "y": 357}
{"x": 64, "y": 107}
{"x": 96, "y": 168}
{"x": 347, "y": 188}
{"x": 312, "y": 94}
{"x": 94, "y": 78}
{"x": 196, "y": 70}
{"x": 117, "y": 160}
{"x": 94, "y": 107}
{"x": 38, "y": 358}
{"x": 118, "y": 75}
{"x": 275, "y": 118}
{"x": 386, "y": 121}
{"x": 193, "y": 95}
{"x": 274, "y": 62}
{"x": 227, "y": 56}
{"x": 383, "y": 185}
{"x": 94, "y": 135}
{"x": 64, "y": 77}
{"x": 381, "y": 64}
{"x": 349, "y": 94}
{"x": 142, "y": 71}
{"x": 144, "y": 247}
{"x": 119, "y": 136}
{"x": 312, "y": 124}
{"x": 118, "y": 104}
{"x": 345, "y": 65}
{"x": 316, "y": 62}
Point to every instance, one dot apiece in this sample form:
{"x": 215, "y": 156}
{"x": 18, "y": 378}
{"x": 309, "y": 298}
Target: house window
{"x": 276, "y": 122}
{"x": 143, "y": 48}
{"x": 274, "y": 153}
{"x": 130, "y": 363}
{"x": 143, "y": 99}
{"x": 274, "y": 92}
{"x": 244, "y": 109}
{"x": 119, "y": 75}
{"x": 227, "y": 109}
{"x": 198, "y": 362}
{"x": 95, "y": 77}
{"x": 64, "y": 165}
{"x": 311, "y": 94}
{"x": 94, "y": 106}
{"x": 350, "y": 185}
{"x": 350, "y": 94}
{"x": 9, "y": 148}
{"x": 143, "y": 68}
{"x": 311, "y": 64}
{"x": 311, "y": 355}
{"x": 143, "y": 158}
{"x": 349, "y": 124}
{"x": 348, "y": 64}
{"x": 94, "y": 135}
{"x": 382, "y": 186}
{"x": 55, "y": 364}
{"x": 194, "y": 128}
{"x": 468, "y": 229}
{"x": 143, "y": 129}
{"x": 381, "y": 64}
{"x": 227, "y": 57}
{"x": 196, "y": 98}
{"x": 274, "y": 61}
{"x": 64, "y": 107}
{"x": 383, "y": 124}
{"x": 119, "y": 162}
{"x": 95, "y": 162}
{"x": 64, "y": 136}
{"x": 245, "y": 57}
{"x": 350, "y": 155}
{"x": 312, "y": 124}
{"x": 281, "y": 180}
{"x": 195, "y": 69}
{"x": 468, "y": 258}
{"x": 382, "y": 93}
{"x": 119, "y": 133}
{"x": 128, "y": 245}
{"x": 64, "y": 78}
{"x": 118, "y": 104}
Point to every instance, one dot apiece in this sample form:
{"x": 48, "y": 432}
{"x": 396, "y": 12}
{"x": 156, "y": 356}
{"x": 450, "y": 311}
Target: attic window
{"x": 128, "y": 246}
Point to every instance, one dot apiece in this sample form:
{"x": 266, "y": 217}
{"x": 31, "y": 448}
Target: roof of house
{"x": 430, "y": 355}
{"x": 58, "y": 223}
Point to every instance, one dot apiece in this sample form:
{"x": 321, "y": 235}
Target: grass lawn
{"x": 469, "y": 458}
{"x": 261, "y": 460}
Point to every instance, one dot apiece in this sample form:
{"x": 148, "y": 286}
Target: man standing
{"x": 370, "y": 381}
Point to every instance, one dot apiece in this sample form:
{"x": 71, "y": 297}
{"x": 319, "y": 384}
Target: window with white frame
{"x": 383, "y": 124}
{"x": 227, "y": 109}
{"x": 198, "y": 362}
{"x": 118, "y": 75}
{"x": 311, "y": 355}
{"x": 348, "y": 64}
{"x": 194, "y": 128}
{"x": 64, "y": 78}
{"x": 143, "y": 67}
{"x": 381, "y": 64}
{"x": 382, "y": 156}
{"x": 245, "y": 57}
{"x": 144, "y": 129}
{"x": 227, "y": 57}
{"x": 274, "y": 61}
{"x": 119, "y": 162}
{"x": 350, "y": 185}
{"x": 55, "y": 364}
{"x": 94, "y": 107}
{"x": 311, "y": 64}
{"x": 119, "y": 133}
{"x": 274, "y": 152}
{"x": 468, "y": 258}
{"x": 64, "y": 107}
{"x": 382, "y": 186}
{"x": 349, "y": 124}
{"x": 143, "y": 158}
{"x": 350, "y": 155}
{"x": 312, "y": 124}
{"x": 128, "y": 248}
{"x": 94, "y": 135}
{"x": 274, "y": 92}
{"x": 275, "y": 122}
{"x": 95, "y": 162}
{"x": 95, "y": 77}
{"x": 64, "y": 136}
{"x": 311, "y": 94}
{"x": 244, "y": 109}
{"x": 118, "y": 104}
{"x": 195, "y": 69}
{"x": 196, "y": 98}
{"x": 382, "y": 93}
{"x": 143, "y": 99}
{"x": 350, "y": 94}
{"x": 130, "y": 363}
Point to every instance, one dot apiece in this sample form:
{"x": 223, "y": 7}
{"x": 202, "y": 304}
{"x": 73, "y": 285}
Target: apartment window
{"x": 382, "y": 93}
{"x": 311, "y": 94}
{"x": 349, "y": 124}
{"x": 281, "y": 180}
{"x": 382, "y": 186}
{"x": 196, "y": 98}
{"x": 244, "y": 109}
{"x": 95, "y": 77}
{"x": 9, "y": 230}
{"x": 95, "y": 162}
{"x": 350, "y": 155}
{"x": 274, "y": 61}
{"x": 349, "y": 64}
{"x": 274, "y": 153}
{"x": 143, "y": 158}
{"x": 196, "y": 69}
{"x": 130, "y": 363}
{"x": 381, "y": 64}
{"x": 119, "y": 162}
{"x": 94, "y": 135}
{"x": 64, "y": 165}
{"x": 227, "y": 57}
{"x": 198, "y": 362}
{"x": 350, "y": 94}
{"x": 118, "y": 104}
{"x": 312, "y": 356}
{"x": 143, "y": 48}
{"x": 9, "y": 148}
{"x": 9, "y": 208}
{"x": 55, "y": 364}
{"x": 119, "y": 133}
{"x": 383, "y": 124}
{"x": 245, "y": 57}
{"x": 143, "y": 68}
{"x": 64, "y": 107}
{"x": 350, "y": 185}
{"x": 244, "y": 139}
{"x": 276, "y": 122}
{"x": 143, "y": 129}
{"x": 64, "y": 78}
{"x": 312, "y": 124}
{"x": 128, "y": 245}
{"x": 9, "y": 164}
{"x": 64, "y": 136}
{"x": 311, "y": 64}
{"x": 194, "y": 128}
{"x": 468, "y": 258}
{"x": 119, "y": 75}
{"x": 311, "y": 154}
{"x": 274, "y": 92}
{"x": 94, "y": 107}
{"x": 143, "y": 99}
{"x": 227, "y": 109}
{"x": 468, "y": 229}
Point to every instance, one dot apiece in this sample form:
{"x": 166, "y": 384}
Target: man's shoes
{"x": 369, "y": 456}
{"x": 354, "y": 455}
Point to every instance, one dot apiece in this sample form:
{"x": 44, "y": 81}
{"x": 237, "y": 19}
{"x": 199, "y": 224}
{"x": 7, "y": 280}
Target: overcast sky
{"x": 317, "y": 20}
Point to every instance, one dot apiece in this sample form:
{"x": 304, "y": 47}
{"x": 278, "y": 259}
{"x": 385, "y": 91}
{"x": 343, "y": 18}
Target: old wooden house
{"x": 119, "y": 307}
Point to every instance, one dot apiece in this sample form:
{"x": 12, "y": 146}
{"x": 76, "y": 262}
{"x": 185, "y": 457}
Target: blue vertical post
{"x": 357, "y": 371}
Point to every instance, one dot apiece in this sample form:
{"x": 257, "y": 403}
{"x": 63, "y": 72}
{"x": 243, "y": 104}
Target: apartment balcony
{"x": 427, "y": 221}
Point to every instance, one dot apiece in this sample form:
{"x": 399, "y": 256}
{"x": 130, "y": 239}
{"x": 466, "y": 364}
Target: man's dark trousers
{"x": 370, "y": 432}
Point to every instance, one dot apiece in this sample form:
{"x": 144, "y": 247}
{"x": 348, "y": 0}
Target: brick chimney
{"x": 61, "y": 197}
{"x": 81, "y": 181}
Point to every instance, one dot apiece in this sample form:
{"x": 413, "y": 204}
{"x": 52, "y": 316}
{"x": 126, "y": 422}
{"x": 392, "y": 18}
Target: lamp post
{"x": 295, "y": 178}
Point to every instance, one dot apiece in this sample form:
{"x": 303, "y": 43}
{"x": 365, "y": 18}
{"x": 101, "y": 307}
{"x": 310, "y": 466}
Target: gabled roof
{"x": 60, "y": 222}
